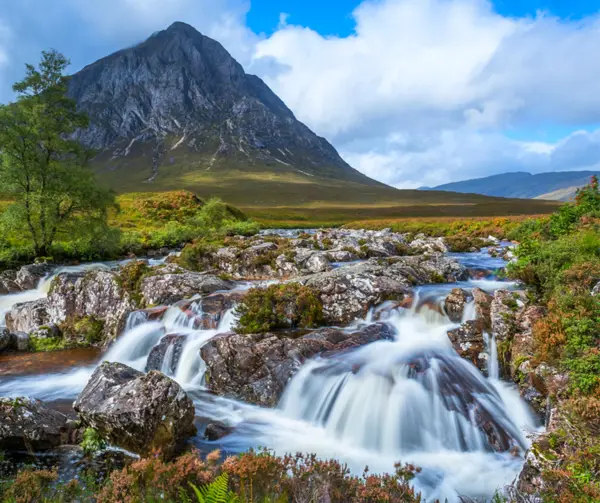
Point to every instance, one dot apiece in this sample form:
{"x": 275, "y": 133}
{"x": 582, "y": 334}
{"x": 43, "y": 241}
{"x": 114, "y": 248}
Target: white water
{"x": 410, "y": 400}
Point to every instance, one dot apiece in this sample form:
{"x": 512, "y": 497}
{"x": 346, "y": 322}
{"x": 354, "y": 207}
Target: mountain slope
{"x": 521, "y": 184}
{"x": 178, "y": 109}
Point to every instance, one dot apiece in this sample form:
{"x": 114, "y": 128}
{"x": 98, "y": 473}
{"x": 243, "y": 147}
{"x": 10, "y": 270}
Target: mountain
{"x": 559, "y": 186}
{"x": 178, "y": 111}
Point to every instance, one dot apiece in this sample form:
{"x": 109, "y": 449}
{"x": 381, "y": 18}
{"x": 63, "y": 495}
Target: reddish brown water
{"x": 22, "y": 364}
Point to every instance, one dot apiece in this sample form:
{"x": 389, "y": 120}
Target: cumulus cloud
{"x": 422, "y": 91}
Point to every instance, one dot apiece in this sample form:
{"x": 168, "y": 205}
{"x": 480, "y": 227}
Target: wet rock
{"x": 29, "y": 276}
{"x": 455, "y": 303}
{"x": 156, "y": 358}
{"x": 596, "y": 289}
{"x": 8, "y": 283}
{"x": 171, "y": 287}
{"x": 348, "y": 292}
{"x": 483, "y": 302}
{"x": 256, "y": 367}
{"x": 469, "y": 343}
{"x": 154, "y": 313}
{"x": 216, "y": 431}
{"x": 20, "y": 341}
{"x": 135, "y": 411}
{"x": 27, "y": 424}
{"x": 214, "y": 306}
{"x": 5, "y": 339}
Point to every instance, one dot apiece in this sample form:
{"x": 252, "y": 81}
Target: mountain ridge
{"x": 555, "y": 185}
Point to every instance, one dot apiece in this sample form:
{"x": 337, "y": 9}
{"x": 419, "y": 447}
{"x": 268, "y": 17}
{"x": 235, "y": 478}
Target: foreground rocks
{"x": 455, "y": 303}
{"x": 28, "y": 425}
{"x": 256, "y": 367}
{"x": 468, "y": 341}
{"x": 135, "y": 411}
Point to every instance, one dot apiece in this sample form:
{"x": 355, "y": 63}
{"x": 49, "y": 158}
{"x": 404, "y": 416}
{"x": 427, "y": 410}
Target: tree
{"x": 43, "y": 169}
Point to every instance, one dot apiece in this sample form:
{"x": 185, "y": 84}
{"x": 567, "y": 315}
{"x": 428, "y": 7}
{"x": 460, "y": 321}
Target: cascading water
{"x": 411, "y": 400}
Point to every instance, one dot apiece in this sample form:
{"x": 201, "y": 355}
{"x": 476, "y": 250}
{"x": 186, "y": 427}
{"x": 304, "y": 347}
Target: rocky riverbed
{"x": 413, "y": 362}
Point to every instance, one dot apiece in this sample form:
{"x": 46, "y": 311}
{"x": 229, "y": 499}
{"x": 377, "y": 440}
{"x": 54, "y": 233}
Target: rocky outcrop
{"x": 97, "y": 294}
{"x": 135, "y": 411}
{"x": 348, "y": 293}
{"x": 206, "y": 313}
{"x": 256, "y": 367}
{"x": 454, "y": 304}
{"x": 483, "y": 302}
{"x": 169, "y": 346}
{"x": 27, "y": 424}
{"x": 172, "y": 284}
{"x": 468, "y": 341}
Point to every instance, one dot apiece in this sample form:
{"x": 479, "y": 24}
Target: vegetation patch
{"x": 289, "y": 305}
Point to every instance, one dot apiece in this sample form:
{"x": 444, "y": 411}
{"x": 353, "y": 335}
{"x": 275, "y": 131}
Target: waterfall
{"x": 132, "y": 348}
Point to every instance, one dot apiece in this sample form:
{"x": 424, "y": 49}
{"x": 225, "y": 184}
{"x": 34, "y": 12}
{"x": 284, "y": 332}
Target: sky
{"x": 410, "y": 92}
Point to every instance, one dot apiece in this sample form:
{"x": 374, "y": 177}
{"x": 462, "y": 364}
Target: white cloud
{"x": 423, "y": 90}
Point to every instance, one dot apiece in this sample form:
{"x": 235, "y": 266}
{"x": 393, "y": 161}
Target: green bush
{"x": 92, "y": 442}
{"x": 289, "y": 305}
{"x": 197, "y": 256}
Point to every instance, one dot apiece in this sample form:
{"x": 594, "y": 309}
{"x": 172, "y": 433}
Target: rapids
{"x": 410, "y": 400}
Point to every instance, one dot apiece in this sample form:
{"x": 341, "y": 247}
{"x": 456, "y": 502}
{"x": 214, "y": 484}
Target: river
{"x": 412, "y": 399}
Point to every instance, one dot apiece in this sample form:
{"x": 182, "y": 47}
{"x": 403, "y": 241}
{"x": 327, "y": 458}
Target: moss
{"x": 131, "y": 276}
{"x": 44, "y": 344}
{"x": 437, "y": 278}
{"x": 92, "y": 442}
{"x": 289, "y": 305}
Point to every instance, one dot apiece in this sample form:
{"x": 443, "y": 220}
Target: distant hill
{"x": 558, "y": 186}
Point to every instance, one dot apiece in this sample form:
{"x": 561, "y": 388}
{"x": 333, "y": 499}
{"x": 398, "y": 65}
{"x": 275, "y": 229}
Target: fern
{"x": 216, "y": 492}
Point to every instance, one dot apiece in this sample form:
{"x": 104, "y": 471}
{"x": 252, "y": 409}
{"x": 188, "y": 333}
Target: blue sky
{"x": 411, "y": 92}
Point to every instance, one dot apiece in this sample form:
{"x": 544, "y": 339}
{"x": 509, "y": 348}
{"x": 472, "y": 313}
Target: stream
{"x": 412, "y": 399}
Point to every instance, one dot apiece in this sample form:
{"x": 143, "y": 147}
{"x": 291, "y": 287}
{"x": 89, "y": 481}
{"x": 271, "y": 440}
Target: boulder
{"x": 455, "y": 303}
{"x": 5, "y": 339}
{"x": 50, "y": 331}
{"x": 20, "y": 341}
{"x": 8, "y": 283}
{"x": 216, "y": 431}
{"x": 27, "y": 424}
{"x": 596, "y": 289}
{"x": 348, "y": 292}
{"x": 317, "y": 262}
{"x": 27, "y": 316}
{"x": 29, "y": 276}
{"x": 423, "y": 244}
{"x": 256, "y": 367}
{"x": 505, "y": 308}
{"x": 171, "y": 287}
{"x": 156, "y": 358}
{"x": 137, "y": 412}
{"x": 469, "y": 343}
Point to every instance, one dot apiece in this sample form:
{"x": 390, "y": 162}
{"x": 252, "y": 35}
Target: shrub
{"x": 197, "y": 256}
{"x": 279, "y": 306}
{"x": 131, "y": 275}
{"x": 463, "y": 243}
{"x": 92, "y": 442}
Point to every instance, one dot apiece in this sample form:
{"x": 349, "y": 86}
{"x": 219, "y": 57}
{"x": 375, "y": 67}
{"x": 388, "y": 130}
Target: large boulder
{"x": 483, "y": 302}
{"x": 349, "y": 292}
{"x": 135, "y": 411}
{"x": 27, "y": 424}
{"x": 256, "y": 367}
{"x": 168, "y": 287}
{"x": 98, "y": 294}
{"x": 455, "y": 303}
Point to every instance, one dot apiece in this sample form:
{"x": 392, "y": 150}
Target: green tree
{"x": 43, "y": 169}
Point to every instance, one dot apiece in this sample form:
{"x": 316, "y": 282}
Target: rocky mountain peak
{"x": 180, "y": 99}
